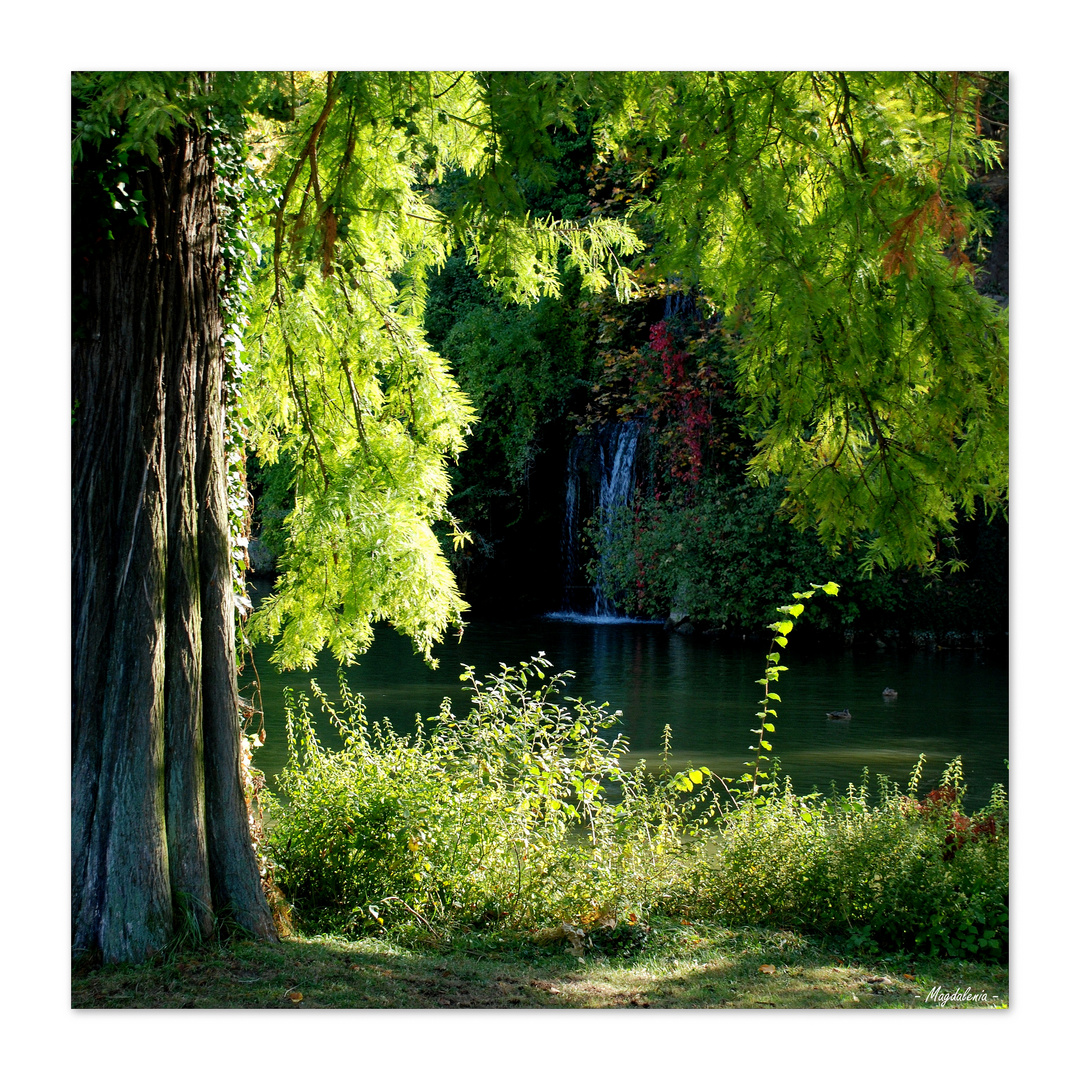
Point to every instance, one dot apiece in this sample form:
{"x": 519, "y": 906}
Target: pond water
{"x": 948, "y": 703}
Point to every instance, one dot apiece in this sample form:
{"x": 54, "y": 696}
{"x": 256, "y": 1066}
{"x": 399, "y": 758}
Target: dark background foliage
{"x": 700, "y": 537}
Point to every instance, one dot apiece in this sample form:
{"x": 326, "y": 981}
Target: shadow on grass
{"x": 683, "y": 966}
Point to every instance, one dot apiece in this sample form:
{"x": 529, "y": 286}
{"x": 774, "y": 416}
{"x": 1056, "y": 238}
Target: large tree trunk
{"x": 159, "y": 822}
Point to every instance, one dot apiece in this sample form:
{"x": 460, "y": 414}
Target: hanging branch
{"x": 354, "y": 393}
{"x": 301, "y": 403}
{"x": 307, "y": 154}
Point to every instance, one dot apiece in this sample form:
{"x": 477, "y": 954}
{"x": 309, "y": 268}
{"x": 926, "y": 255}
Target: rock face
{"x": 679, "y": 623}
{"x": 993, "y": 277}
{"x": 260, "y": 559}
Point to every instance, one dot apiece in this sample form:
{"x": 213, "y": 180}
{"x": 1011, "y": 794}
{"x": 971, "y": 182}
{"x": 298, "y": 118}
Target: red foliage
{"x": 940, "y": 797}
{"x": 685, "y": 402}
{"x": 956, "y": 836}
{"x": 936, "y": 214}
{"x": 961, "y": 828}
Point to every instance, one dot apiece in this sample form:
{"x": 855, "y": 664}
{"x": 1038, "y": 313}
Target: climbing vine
{"x": 239, "y": 189}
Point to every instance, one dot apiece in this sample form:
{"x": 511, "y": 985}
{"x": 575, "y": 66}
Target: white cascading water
{"x": 618, "y": 454}
{"x": 606, "y": 456}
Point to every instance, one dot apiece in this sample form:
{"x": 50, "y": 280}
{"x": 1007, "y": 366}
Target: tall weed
{"x": 521, "y": 814}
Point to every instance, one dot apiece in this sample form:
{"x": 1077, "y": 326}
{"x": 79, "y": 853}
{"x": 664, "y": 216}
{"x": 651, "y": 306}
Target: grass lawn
{"x": 681, "y": 966}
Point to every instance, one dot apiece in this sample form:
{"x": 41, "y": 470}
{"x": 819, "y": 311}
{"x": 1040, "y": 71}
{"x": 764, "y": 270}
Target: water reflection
{"x": 947, "y": 703}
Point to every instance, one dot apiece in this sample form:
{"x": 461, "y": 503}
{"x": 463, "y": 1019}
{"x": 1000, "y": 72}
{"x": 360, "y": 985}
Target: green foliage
{"x": 882, "y": 871}
{"x": 518, "y": 367}
{"x": 519, "y": 812}
{"x": 134, "y": 108}
{"x": 714, "y": 558}
{"x": 824, "y": 214}
{"x": 522, "y": 815}
{"x": 238, "y": 186}
{"x": 713, "y": 555}
{"x": 136, "y": 111}
{"x": 344, "y": 383}
{"x": 346, "y": 389}
{"x": 275, "y": 496}
{"x": 336, "y": 250}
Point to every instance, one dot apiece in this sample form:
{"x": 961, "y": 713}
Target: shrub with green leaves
{"x": 889, "y": 872}
{"x": 717, "y": 555}
{"x": 899, "y": 873}
{"x": 519, "y": 812}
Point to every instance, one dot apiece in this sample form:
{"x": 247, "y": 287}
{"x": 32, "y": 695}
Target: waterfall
{"x": 600, "y": 478}
{"x": 679, "y": 303}
{"x": 618, "y": 453}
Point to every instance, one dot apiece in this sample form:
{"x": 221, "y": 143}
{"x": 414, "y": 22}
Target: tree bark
{"x": 234, "y": 874}
{"x": 159, "y": 822}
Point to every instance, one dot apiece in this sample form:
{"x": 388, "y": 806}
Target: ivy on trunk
{"x": 159, "y": 821}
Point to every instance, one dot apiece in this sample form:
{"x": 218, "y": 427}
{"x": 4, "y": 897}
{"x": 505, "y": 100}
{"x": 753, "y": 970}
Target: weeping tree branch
{"x": 309, "y": 153}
